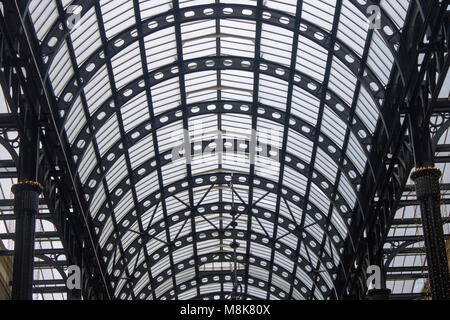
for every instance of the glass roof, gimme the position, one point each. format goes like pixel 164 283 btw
pixel 405 253
pixel 198 126
pixel 50 258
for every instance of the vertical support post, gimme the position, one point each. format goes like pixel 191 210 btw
pixel 26 206
pixel 428 194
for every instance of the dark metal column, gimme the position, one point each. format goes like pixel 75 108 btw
pixel 74 294
pixel 26 206
pixel 428 194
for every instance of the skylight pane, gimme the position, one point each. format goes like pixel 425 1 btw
pixel 199 39
pixel 283 5
pixel 61 70
pixel 97 90
pixel 75 121
pixel 44 13
pixel 353 27
pixel 237 38
pixel 305 106
pixel 311 58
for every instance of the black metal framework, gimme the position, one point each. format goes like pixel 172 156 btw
pixel 415 92
pixel 428 193
pixel 306 214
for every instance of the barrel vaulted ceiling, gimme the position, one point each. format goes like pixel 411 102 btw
pixel 209 135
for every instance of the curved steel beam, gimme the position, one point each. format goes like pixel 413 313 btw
pixel 154 232
pixel 191 283
pixel 136 135
pixel 439 134
pixel 397 251
pixel 270 21
pixel 54 39
pixel 212 295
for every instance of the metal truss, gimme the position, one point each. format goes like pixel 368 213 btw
pixel 409 83
pixel 307 254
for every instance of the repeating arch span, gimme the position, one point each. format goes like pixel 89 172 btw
pixel 201 129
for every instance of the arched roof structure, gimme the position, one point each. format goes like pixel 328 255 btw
pixel 198 126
